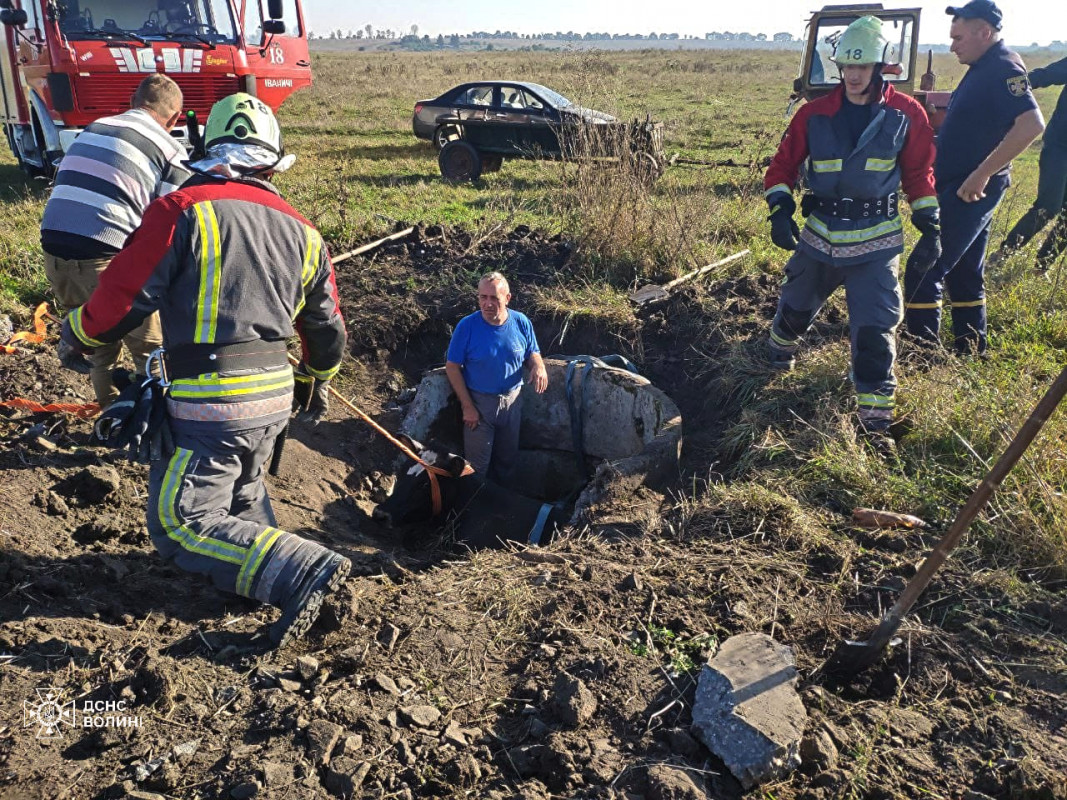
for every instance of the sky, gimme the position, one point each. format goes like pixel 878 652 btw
pixel 1026 21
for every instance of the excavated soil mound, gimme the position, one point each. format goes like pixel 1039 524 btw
pixel 564 672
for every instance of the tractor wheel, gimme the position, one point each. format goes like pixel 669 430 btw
pixel 460 162
pixel 492 163
pixel 443 134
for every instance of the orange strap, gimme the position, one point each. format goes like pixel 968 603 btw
pixel 80 410
pixel 40 332
pixel 431 470
pixel 40 328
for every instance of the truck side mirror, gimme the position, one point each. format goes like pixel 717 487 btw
pixel 275 9
pixel 274 27
pixel 798 85
pixel 14 17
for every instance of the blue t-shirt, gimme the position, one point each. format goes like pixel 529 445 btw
pixel 981 112
pixel 492 355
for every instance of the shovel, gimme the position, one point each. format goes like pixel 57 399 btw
pixel 653 292
pixel 851 657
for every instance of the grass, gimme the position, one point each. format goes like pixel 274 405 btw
pixel 788 457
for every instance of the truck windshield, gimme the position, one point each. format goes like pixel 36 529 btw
pixel 207 21
pixel 898 30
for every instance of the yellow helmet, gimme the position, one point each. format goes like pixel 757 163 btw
pixel 863 43
pixel 243 119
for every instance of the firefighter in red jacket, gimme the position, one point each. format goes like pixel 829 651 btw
pixel 232 270
pixel 858 144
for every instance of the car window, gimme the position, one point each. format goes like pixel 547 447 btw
pixel 530 101
pixel 476 96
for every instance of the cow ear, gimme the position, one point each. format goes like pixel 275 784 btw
pixel 415 446
pixel 456 465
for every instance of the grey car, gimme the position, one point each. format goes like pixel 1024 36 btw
pixel 507 102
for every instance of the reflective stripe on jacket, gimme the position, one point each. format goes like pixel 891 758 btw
pixel 897 146
pixel 224 262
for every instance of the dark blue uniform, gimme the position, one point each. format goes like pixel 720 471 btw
pixel 984 107
pixel 1051 197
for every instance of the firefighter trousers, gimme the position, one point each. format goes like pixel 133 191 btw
pixel 872 292
pixel 209 513
pixel 1050 204
pixel 960 270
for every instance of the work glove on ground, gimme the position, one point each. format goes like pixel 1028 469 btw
pixel 72 359
pixel 928 249
pixel 311 397
pixel 784 231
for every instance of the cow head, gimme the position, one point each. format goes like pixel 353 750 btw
pixel 411 498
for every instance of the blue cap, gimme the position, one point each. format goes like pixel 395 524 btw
pixel 978 9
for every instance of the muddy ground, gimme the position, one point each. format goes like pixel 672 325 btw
pixel 563 672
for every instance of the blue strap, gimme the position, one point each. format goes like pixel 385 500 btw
pixel 539 524
pixel 578 407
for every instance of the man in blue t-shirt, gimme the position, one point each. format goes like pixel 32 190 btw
pixel 992 117
pixel 486 356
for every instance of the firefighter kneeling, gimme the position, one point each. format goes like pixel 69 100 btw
pixel 232 270
pixel 859 143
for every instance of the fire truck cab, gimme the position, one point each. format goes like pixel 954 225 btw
pixel 65 63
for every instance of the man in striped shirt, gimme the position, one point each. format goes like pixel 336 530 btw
pixel 112 171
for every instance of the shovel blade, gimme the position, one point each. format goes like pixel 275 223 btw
pixel 851 658
pixel 650 293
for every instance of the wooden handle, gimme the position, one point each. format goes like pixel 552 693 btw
pixel 975 503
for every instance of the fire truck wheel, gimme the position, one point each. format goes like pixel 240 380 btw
pixel 460 162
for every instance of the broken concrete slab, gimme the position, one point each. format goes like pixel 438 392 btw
pixel 747 710
pixel 629 425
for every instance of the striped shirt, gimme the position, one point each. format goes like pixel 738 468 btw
pixel 112 171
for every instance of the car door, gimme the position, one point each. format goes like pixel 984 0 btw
pixel 475 102
pixel 511 119
pixel 542 125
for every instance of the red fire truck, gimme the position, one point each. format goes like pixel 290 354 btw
pixel 65 63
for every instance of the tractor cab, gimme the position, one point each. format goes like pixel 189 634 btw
pixel 819 74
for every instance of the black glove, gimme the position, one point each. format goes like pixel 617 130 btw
pixel 928 249
pixel 311 397
pixel 137 422
pixel 73 359
pixel 784 231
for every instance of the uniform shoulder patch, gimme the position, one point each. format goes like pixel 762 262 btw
pixel 1018 85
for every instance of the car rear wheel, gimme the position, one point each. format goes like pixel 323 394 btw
pixel 443 134
pixel 460 162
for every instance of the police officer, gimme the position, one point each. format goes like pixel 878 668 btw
pixel 859 143
pixel 232 269
pixel 991 119
pixel 1051 197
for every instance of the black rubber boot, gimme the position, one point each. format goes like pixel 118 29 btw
pixel 780 359
pixel 302 608
pixel 875 432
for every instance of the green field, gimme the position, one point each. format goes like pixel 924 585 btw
pixel 360 169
